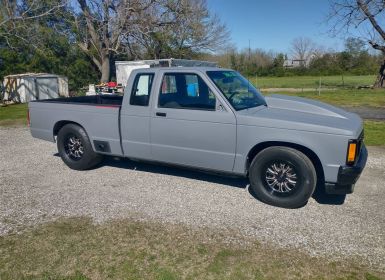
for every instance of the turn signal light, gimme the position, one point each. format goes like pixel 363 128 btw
pixel 352 151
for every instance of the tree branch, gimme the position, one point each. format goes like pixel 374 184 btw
pixel 365 9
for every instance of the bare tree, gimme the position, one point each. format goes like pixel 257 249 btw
pixel 366 17
pixel 101 26
pixel 190 29
pixel 103 29
pixel 302 49
pixel 155 28
pixel 197 30
pixel 18 18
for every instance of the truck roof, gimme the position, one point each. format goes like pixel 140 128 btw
pixel 124 75
pixel 180 69
pixel 168 62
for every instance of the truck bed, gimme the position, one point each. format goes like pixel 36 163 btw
pixel 114 100
pixel 98 115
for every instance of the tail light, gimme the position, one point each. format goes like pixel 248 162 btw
pixel 28 118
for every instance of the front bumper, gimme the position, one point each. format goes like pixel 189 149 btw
pixel 348 175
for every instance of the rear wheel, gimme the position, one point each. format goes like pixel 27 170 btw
pixel 75 148
pixel 283 177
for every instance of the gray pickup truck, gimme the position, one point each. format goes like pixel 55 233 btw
pixel 211 119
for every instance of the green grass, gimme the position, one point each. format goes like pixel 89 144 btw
pixel 345 97
pixel 13 115
pixel 312 81
pixel 374 133
pixel 77 249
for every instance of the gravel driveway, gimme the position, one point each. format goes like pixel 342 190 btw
pixel 36 186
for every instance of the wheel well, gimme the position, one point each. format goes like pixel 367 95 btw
pixel 309 153
pixel 60 124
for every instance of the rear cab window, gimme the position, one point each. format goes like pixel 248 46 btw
pixel 141 90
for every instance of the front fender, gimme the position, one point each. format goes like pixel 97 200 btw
pixel 329 148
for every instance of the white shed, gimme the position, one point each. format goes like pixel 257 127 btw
pixel 34 86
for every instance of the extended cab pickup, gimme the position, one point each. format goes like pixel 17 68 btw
pixel 211 119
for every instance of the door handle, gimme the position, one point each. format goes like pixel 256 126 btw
pixel 160 114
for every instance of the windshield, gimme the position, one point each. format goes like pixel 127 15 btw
pixel 237 90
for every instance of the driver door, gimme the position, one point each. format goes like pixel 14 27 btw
pixel 188 127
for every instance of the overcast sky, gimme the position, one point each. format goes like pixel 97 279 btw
pixel 273 24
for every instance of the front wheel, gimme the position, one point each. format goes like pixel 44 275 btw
pixel 283 177
pixel 75 148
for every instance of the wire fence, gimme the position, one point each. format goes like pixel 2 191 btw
pixel 313 83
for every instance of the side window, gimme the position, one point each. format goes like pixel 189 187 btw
pixel 141 90
pixel 168 84
pixel 185 91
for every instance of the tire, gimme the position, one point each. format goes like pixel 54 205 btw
pixel 75 148
pixel 283 177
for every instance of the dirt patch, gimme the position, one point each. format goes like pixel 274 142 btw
pixel 369 113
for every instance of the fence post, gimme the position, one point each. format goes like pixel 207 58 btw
pixel 319 86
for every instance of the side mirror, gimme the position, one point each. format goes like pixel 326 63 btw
pixel 220 108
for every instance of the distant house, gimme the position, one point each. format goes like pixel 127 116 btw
pixel 294 63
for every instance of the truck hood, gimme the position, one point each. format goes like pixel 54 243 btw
pixel 296 113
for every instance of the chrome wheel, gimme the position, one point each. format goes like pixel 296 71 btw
pixel 74 147
pixel 280 177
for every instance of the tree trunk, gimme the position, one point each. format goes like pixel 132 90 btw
pixel 106 70
pixel 380 81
